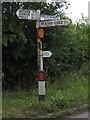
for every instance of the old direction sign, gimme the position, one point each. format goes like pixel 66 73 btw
pixel 26 14
pixel 48 17
pixel 58 22
pixel 47 53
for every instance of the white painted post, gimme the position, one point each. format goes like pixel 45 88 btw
pixel 41 81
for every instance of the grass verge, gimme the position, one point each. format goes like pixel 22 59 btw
pixel 70 91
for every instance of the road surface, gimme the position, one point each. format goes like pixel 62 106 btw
pixel 82 115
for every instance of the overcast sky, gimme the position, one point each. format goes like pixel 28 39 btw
pixel 77 7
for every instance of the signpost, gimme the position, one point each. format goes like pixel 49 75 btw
pixel 48 17
pixel 54 23
pixel 42 21
pixel 47 54
pixel 26 14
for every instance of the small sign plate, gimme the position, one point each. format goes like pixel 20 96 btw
pixel 47 53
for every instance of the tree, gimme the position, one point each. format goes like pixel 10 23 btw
pixel 19 43
pixel 69 45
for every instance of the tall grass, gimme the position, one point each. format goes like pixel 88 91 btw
pixel 71 90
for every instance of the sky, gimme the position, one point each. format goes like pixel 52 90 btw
pixel 77 7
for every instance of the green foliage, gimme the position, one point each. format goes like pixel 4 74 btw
pixel 59 97
pixel 69 45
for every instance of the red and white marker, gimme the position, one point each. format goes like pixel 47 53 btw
pixel 41 86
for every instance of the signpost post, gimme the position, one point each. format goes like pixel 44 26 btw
pixel 27 14
pixel 42 21
pixel 41 80
pixel 48 17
